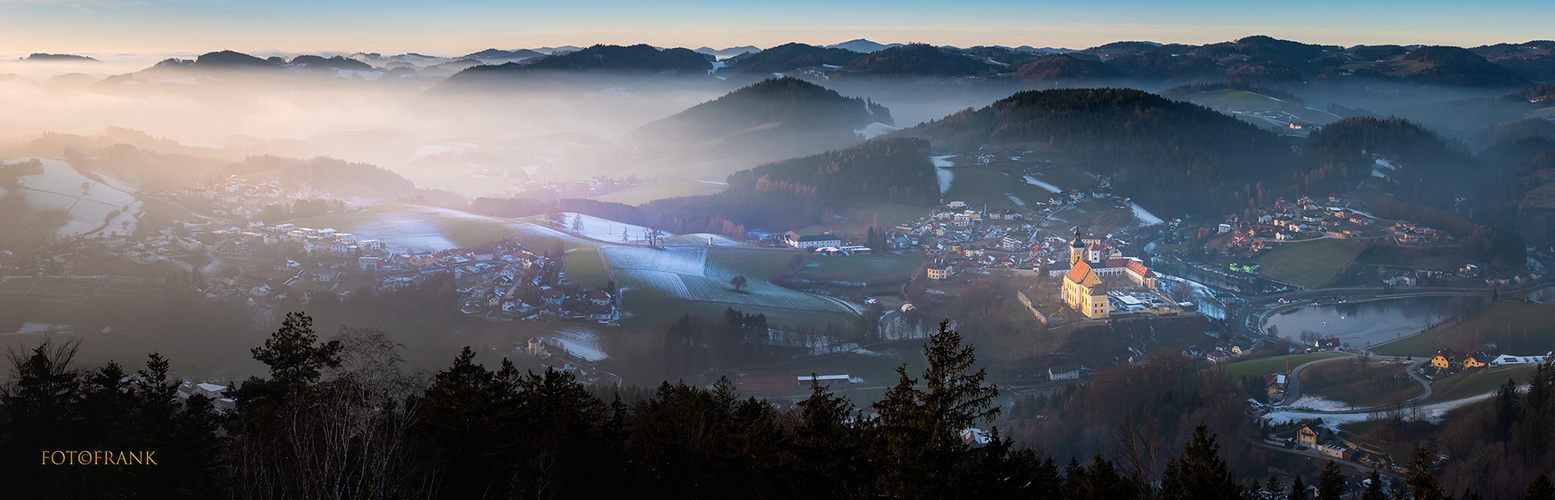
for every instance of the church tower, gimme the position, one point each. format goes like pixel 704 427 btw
pixel 1076 249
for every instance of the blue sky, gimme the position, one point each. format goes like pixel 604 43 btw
pixel 457 27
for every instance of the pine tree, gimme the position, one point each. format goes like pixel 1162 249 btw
pixel 1541 489
pixel 1199 472
pixel 1422 485
pixel 1331 483
pixel 920 427
pixel 1298 489
pixel 1374 488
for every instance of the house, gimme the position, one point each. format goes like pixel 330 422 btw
pixel 1064 372
pixel 599 298
pixel 812 241
pixel 1274 384
pixel 939 270
pixel 369 263
pixel 553 297
pixel 535 347
pixel 1329 344
pixel 1313 433
pixel 1446 358
pixel 1477 360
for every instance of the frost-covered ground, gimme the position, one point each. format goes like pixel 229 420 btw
pixel 1317 403
pixel 606 229
pixel 1049 187
pixel 945 176
pixel 1145 217
pixel 1432 413
pixel 88 203
pixel 683 273
pixel 875 129
pixel 30 328
pixel 1382 164
pixel 690 261
pixel 578 341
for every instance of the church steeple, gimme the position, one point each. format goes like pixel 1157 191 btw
pixel 1076 248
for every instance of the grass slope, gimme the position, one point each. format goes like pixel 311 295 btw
pixel 1260 367
pixel 1308 264
pixel 1515 327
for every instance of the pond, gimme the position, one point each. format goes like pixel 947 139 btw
pixel 1363 323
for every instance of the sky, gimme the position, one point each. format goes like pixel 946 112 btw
pixel 456 27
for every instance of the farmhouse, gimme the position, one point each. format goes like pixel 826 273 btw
pixel 1446 358
pixel 812 241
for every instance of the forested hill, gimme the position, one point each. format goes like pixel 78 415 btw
pixel 919 60
pixel 635 61
pixel 1341 154
pixel 791 56
pixel 776 118
pixel 796 192
pixel 341 179
pixel 1178 156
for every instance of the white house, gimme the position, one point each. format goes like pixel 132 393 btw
pixel 815 241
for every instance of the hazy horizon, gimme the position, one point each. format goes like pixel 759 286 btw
pixel 159 27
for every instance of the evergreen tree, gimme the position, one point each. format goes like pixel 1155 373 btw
pixel 1374 488
pixel 919 428
pixel 1422 485
pixel 1541 489
pixel 1275 490
pixel 1331 483
pixel 1199 472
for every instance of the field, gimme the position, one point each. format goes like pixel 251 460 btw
pixel 978 186
pixel 661 284
pixel 1476 382
pixel 1242 100
pixel 1515 327
pixel 1308 264
pixel 1260 367
pixel 585 268
pixel 1375 384
pixel 420 229
pixel 858 269
pixel 637 195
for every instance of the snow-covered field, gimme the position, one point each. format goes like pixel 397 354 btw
pixel 1432 413
pixel 683 273
pixel 1049 187
pixel 945 176
pixel 1381 165
pixel 88 203
pixel 689 261
pixel 30 328
pixel 606 229
pixel 578 341
pixel 1145 217
pixel 875 129
pixel 1317 403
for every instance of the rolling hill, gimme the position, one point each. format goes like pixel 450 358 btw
pixel 774 119
pixel 1153 148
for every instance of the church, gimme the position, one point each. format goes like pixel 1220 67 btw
pixel 1095 268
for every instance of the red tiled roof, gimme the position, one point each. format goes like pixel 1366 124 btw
pixel 1078 272
pixel 1140 269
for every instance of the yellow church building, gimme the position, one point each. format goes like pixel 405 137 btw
pixel 1082 292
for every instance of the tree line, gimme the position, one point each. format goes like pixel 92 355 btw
pixel 340 418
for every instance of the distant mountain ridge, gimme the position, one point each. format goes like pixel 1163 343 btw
pixel 39 56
